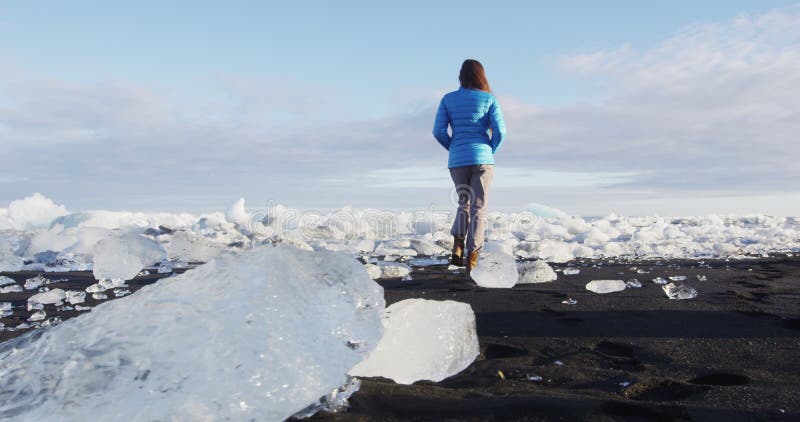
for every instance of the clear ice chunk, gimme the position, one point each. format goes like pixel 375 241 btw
pixel 679 291
pixel 423 340
pixel 496 268
pixel 258 335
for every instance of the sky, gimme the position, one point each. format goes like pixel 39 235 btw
pixel 660 107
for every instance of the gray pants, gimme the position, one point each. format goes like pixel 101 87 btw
pixel 472 186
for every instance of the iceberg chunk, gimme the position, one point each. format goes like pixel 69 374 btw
pixel 50 297
pixel 122 257
pixel 423 340
pixel 255 336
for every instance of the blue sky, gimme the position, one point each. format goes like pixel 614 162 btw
pixel 626 106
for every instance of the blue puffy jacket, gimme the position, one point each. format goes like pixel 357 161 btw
pixel 470 114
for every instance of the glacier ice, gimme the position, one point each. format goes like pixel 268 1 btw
pixel 373 270
pixel 535 272
pixel 122 257
pixel 495 268
pixel 605 286
pixel 255 336
pixel 423 340
pixel 5 281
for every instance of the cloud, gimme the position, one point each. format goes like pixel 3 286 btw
pixel 711 110
pixel 712 107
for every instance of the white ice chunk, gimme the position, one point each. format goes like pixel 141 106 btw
pixel 426 247
pixel 75 296
pixel 679 291
pixel 122 257
pixel 660 280
pixel 634 283
pixel 35 282
pixel 36 316
pixel 423 340
pixel 50 297
pixel 255 336
pixel 394 269
pixel 5 281
pixel 554 251
pixel 535 272
pixel 571 271
pixel 14 288
pixel 605 286
pixel 373 270
pixel 496 268
pixel 6 309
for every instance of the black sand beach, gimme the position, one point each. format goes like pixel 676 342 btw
pixel 732 353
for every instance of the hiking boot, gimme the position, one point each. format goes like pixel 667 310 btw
pixel 472 261
pixel 457 258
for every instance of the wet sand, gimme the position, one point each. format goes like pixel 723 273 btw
pixel 732 353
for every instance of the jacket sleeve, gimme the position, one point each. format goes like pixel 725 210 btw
pixel 440 126
pixel 498 125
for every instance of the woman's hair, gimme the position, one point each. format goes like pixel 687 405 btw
pixel 473 76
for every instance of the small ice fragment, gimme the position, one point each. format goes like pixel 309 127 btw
pixel 407 277
pixel 37 316
pixel 660 280
pixel 23 326
pixel 35 282
pixel 99 296
pixel 679 291
pixel 6 309
pixel 605 286
pixel 95 288
pixel 570 301
pixel 533 377
pixel 642 271
pixel 14 288
pixel 571 271
pixel 5 281
pixel 624 384
pixel 678 278
pixel 373 270
pixel 496 268
pixel 558 363
pixel 702 278
pixel 452 267
pixel 82 308
pixel 35 306
pixel 121 292
pixel 535 272
pixel 633 283
pixel 420 262
pixel 165 267
pixel 143 273
pixel 75 296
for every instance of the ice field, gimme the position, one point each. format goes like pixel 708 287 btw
pixel 279 306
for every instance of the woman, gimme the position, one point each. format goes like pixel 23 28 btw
pixel 477 128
